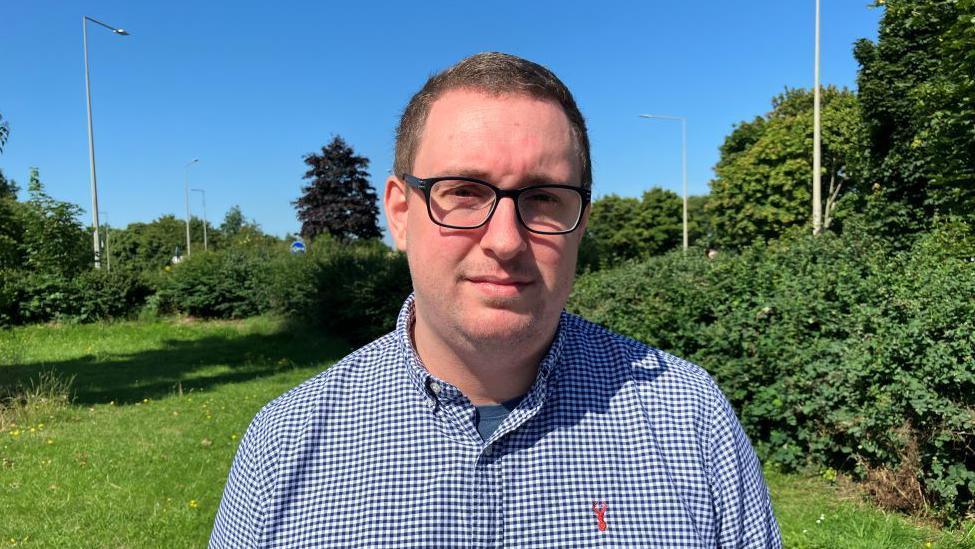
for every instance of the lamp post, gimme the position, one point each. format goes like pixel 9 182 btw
pixel 817 193
pixel 108 248
pixel 91 138
pixel 683 157
pixel 186 192
pixel 204 193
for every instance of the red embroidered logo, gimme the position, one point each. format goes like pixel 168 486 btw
pixel 600 510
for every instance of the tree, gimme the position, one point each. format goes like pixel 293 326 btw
pixel 54 240
pixel 8 187
pixel 764 184
pixel 917 93
pixel 233 222
pixel 339 200
pixel 622 228
pixel 4 132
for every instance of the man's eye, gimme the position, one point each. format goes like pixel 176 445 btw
pixel 457 191
pixel 543 197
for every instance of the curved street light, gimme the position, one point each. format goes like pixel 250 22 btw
pixel 91 138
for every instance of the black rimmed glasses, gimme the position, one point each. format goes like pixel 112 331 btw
pixel 467 203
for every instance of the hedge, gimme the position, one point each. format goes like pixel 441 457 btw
pixel 837 352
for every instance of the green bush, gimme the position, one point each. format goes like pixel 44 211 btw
pixel 230 283
pixel 837 352
pixel 27 297
pixel 353 290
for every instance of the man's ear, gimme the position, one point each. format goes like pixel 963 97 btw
pixel 396 202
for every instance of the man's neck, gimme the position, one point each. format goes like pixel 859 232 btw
pixel 488 373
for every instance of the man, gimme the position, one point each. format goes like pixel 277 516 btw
pixel 490 417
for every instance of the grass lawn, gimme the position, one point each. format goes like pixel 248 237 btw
pixel 140 456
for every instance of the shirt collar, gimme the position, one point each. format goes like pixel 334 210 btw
pixel 423 380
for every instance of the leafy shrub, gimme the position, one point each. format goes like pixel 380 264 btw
pixel 837 352
pixel 27 297
pixel 352 290
pixel 231 283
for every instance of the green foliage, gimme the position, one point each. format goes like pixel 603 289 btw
pixel 4 132
pixel 30 297
pixel 8 187
pixel 917 93
pixel 233 222
pixel 629 228
pixel 151 246
pixel 764 176
pixel 835 351
pixel 230 283
pixel 54 241
pixel 352 290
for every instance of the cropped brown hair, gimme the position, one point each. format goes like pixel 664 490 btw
pixel 496 74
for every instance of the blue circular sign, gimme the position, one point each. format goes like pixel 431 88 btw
pixel 297 247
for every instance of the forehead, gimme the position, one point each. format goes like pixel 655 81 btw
pixel 504 136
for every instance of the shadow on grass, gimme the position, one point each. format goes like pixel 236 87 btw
pixel 190 364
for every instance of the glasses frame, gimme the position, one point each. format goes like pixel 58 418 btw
pixel 427 184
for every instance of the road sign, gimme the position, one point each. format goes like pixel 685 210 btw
pixel 298 247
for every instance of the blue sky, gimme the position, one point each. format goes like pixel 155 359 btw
pixel 250 87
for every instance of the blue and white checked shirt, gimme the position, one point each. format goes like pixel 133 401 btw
pixel 616 444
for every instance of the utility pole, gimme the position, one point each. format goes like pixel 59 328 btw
pixel 186 193
pixel 91 135
pixel 817 194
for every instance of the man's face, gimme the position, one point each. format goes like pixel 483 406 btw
pixel 498 283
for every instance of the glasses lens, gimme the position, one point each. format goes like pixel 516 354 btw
pixel 550 209
pixel 460 203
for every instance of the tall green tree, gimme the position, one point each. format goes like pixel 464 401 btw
pixel 763 182
pixel 338 199
pixel 54 239
pixel 918 100
pixel 233 222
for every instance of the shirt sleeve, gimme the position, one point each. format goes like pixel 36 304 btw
pixel 239 521
pixel 742 504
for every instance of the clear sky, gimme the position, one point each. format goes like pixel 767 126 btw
pixel 250 87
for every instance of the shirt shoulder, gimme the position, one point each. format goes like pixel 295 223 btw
pixel 603 351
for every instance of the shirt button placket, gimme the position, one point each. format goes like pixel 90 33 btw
pixel 487 499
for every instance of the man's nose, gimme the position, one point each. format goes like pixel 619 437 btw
pixel 504 236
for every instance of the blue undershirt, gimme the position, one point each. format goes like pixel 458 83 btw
pixel 490 416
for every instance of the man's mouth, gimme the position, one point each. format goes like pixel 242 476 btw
pixel 500 285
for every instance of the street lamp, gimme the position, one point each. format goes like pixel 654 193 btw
pixel 186 192
pixel 108 248
pixel 817 137
pixel 91 138
pixel 204 193
pixel 683 156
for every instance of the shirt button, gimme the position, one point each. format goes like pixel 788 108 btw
pixel 436 388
